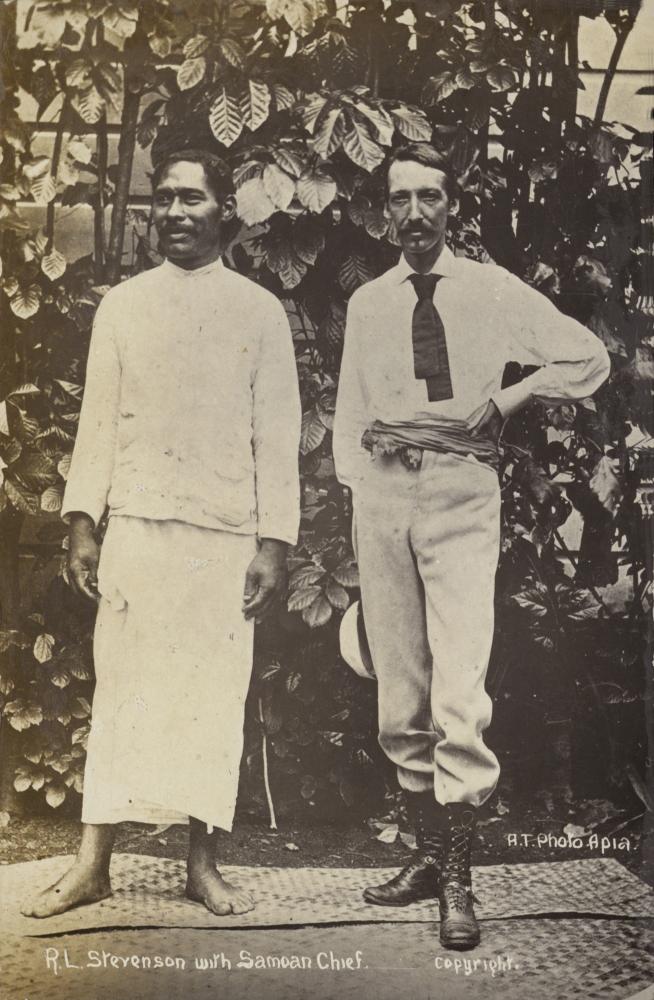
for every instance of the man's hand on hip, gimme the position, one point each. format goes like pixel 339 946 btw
pixel 83 557
pixel 489 424
pixel 265 580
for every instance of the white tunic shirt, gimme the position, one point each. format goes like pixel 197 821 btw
pixel 490 318
pixel 191 410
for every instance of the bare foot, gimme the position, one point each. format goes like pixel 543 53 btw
pixel 78 887
pixel 208 887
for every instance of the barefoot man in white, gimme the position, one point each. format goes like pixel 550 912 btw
pixel 189 435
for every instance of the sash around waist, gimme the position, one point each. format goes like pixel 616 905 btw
pixel 429 432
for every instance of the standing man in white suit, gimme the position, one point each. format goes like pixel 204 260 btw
pixel 419 412
pixel 189 435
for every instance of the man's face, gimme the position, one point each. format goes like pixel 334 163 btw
pixel 188 216
pixel 418 206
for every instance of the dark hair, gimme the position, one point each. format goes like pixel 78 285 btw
pixel 423 152
pixel 216 171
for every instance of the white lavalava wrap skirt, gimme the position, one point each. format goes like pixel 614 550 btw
pixel 173 659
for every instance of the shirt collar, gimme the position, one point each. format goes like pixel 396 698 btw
pixel 215 267
pixel 445 266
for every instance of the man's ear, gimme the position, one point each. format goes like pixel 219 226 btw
pixel 453 207
pixel 387 213
pixel 228 208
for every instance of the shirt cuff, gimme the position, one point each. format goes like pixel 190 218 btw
pixel 513 398
pixel 272 528
pixel 76 503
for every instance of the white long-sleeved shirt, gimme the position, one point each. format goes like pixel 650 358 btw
pixel 490 318
pixel 191 409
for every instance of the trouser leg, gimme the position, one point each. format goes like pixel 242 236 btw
pixel 392 598
pixel 455 535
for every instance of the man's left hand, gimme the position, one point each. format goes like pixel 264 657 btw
pixel 265 580
pixel 489 424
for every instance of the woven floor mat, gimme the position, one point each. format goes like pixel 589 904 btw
pixel 550 959
pixel 148 892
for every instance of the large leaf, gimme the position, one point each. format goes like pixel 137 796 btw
pixel 379 118
pixel 301 15
pixel 51 500
pixel 79 74
pixel 59 676
pixel 347 574
pixel 254 103
pixel 196 46
pixel 311 110
pixel 21 499
pixel 292 271
pixel 316 189
pixel 89 105
pixel 308 240
pixel 318 613
pixel 375 222
pixel 303 597
pixel 279 187
pixel 231 52
pixel 26 302
pixel 333 325
pixel 53 264
pixel 440 86
pixel 37 166
pixel 284 98
pixel 161 45
pixel 121 17
pixel 225 118
pixel 312 433
pixel 412 124
pixel 605 484
pixel 80 709
pixel 23 780
pixel 360 146
pixel 329 135
pixel 43 646
pixel 305 575
pixel 252 202
pixel 502 78
pixel 289 161
pixel 337 595
pixel 55 795
pixel 191 72
pixel 23 714
pixel 43 189
pixel 78 150
pixel 354 271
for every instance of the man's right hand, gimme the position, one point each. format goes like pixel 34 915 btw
pixel 83 557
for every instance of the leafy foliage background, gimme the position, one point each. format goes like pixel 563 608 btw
pixel 305 99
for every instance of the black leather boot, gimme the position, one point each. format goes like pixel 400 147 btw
pixel 459 927
pixel 419 879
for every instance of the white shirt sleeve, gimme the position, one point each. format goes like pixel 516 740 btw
pixel 352 413
pixel 276 422
pixel 89 478
pixel 574 361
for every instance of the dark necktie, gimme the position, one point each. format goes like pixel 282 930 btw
pixel 430 360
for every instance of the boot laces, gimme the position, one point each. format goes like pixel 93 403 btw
pixel 457 896
pixel 458 854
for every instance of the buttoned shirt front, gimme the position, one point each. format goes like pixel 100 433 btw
pixel 191 409
pixel 490 318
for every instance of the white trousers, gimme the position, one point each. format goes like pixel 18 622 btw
pixel 173 659
pixel 427 544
